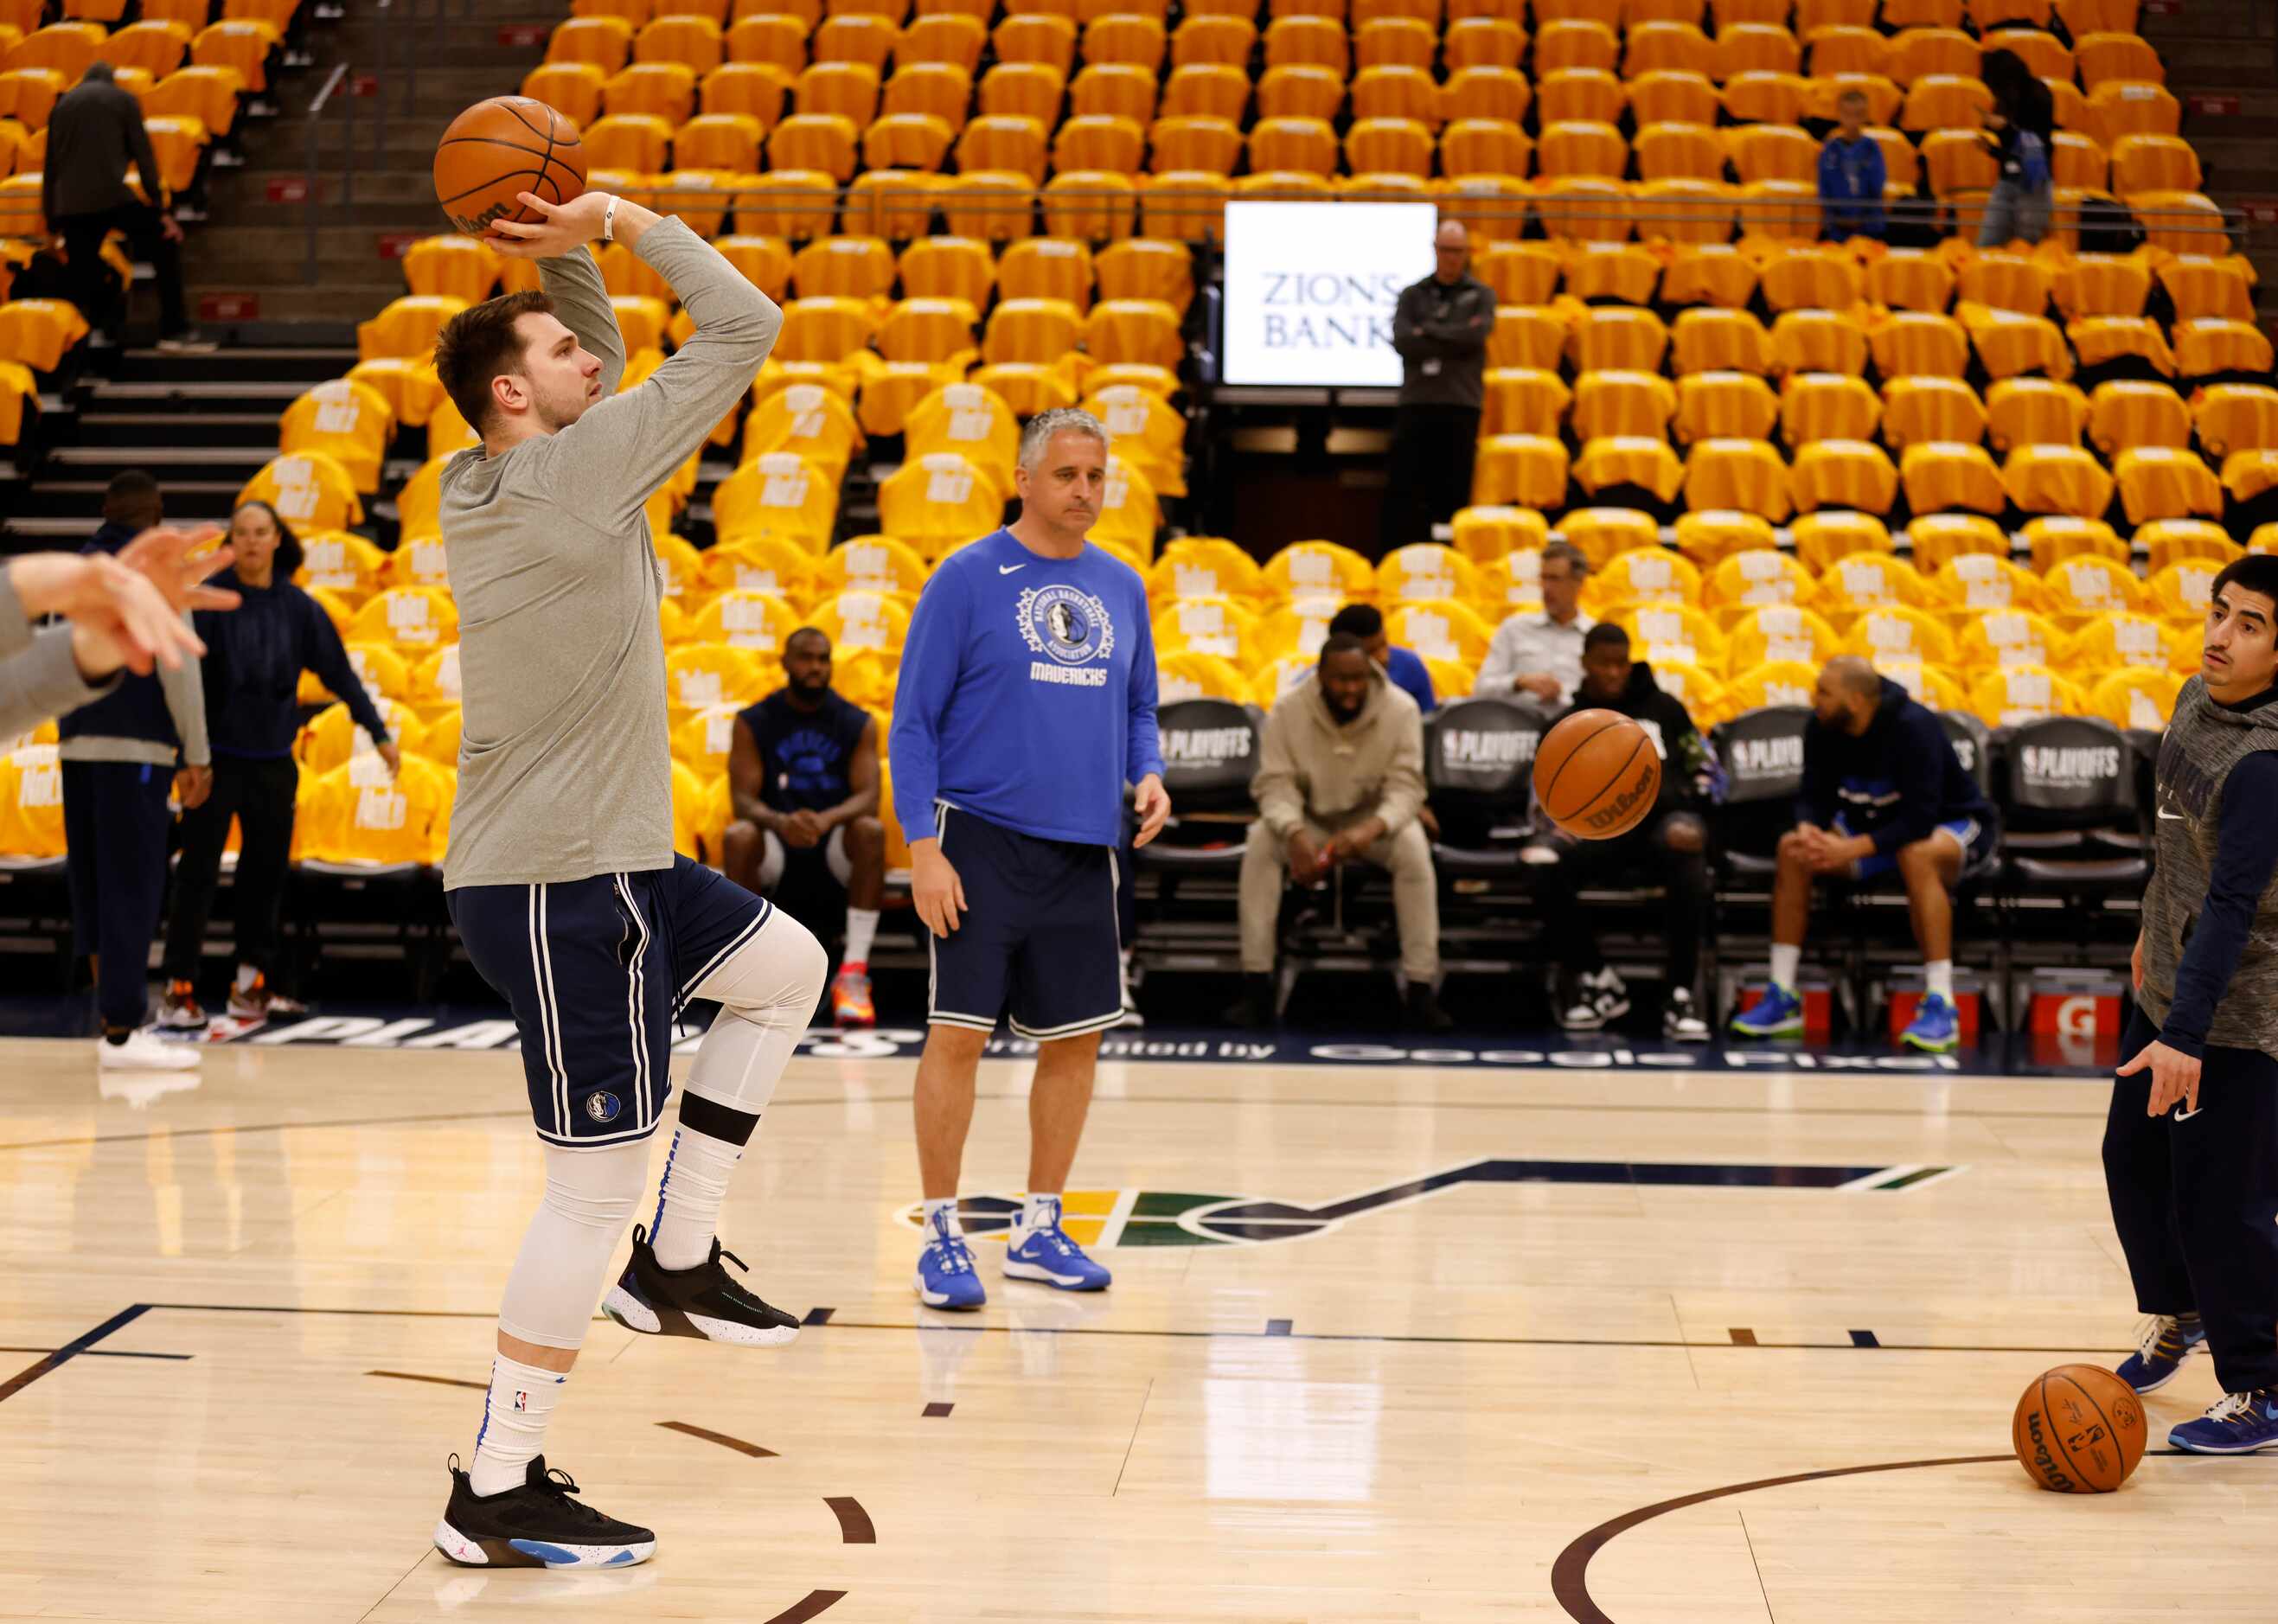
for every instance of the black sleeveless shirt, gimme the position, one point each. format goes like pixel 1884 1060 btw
pixel 806 756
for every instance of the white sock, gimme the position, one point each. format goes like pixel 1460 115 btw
pixel 1041 1210
pixel 247 975
pixel 861 930
pixel 521 1402
pixel 1937 977
pixel 688 1200
pixel 1123 971
pixel 1787 961
pixel 936 1205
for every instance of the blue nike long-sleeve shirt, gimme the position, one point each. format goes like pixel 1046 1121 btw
pixel 1027 693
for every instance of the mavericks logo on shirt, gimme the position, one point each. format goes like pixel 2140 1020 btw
pixel 1072 627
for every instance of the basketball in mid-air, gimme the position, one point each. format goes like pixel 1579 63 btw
pixel 498 148
pixel 1596 774
pixel 2078 1430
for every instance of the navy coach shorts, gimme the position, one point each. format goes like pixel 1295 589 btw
pixel 593 969
pixel 1037 938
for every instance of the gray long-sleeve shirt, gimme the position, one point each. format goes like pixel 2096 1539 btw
pixel 565 766
pixel 39 674
pixel 1531 641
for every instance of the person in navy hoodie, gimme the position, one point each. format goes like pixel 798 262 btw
pixel 255 656
pixel 1025 705
pixel 120 758
pixel 1851 175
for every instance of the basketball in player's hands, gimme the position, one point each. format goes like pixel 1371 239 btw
pixel 2079 1429
pixel 498 149
pixel 1596 774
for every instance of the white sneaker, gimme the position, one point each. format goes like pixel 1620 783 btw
pixel 142 1052
pixel 1681 1019
pixel 1600 997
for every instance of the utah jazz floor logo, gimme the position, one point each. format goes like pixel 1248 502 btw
pixel 1183 1218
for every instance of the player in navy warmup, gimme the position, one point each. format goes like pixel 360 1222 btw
pixel 1025 702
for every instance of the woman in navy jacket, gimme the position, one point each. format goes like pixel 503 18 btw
pixel 254 660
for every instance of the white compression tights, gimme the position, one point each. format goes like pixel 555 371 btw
pixel 767 992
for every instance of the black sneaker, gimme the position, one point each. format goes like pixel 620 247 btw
pixel 1254 1011
pixel 704 1301
pixel 535 1526
pixel 1423 1012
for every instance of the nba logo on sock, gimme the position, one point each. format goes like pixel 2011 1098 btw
pixel 522 1401
pixel 602 1106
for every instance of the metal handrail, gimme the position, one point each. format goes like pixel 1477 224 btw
pixel 310 172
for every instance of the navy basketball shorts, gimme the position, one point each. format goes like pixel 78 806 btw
pixel 1037 938
pixel 592 969
pixel 1974 837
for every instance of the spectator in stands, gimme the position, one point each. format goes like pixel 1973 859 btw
pixel 2021 129
pixel 1537 654
pixel 803 773
pixel 1670 845
pixel 119 757
pixel 93 134
pixel 1341 779
pixel 1440 327
pixel 1407 669
pixel 1851 175
pixel 1882 792
pixel 253 666
pixel 124 616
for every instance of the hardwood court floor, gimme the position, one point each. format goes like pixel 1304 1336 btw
pixel 1407 1414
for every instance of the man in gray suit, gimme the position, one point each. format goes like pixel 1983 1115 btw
pixel 94 133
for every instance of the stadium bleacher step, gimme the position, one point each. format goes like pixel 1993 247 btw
pixel 265 364
pixel 74 505
pixel 201 427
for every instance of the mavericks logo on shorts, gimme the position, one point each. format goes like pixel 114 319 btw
pixel 602 1106
pixel 1072 630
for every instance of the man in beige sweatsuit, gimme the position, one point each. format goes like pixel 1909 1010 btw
pixel 1341 779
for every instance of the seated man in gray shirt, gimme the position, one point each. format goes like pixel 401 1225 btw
pixel 560 875
pixel 1537 654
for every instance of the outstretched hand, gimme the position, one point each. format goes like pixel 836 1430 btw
pixel 178 563
pixel 560 228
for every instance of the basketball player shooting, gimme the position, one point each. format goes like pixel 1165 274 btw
pixel 561 876
pixel 1025 701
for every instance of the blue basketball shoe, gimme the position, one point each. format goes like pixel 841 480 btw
pixel 946 1278
pixel 2167 1341
pixel 1777 1014
pixel 2237 1423
pixel 1046 1253
pixel 1936 1026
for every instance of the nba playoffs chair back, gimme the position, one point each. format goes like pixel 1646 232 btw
pixel 1762 753
pixel 1209 755
pixel 1478 754
pixel 2074 825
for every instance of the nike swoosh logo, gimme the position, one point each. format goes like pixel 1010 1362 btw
pixel 2185 1116
pixel 2172 817
pixel 1007 569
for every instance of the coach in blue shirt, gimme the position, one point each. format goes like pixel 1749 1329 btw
pixel 1404 668
pixel 1025 702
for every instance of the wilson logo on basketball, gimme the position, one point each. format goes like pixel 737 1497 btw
pixel 1616 812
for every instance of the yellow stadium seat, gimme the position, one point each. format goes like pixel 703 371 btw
pixel 809 421
pixel 1913 344
pixel 1674 631
pixel 1865 581
pixel 1611 272
pixel 2034 411
pixel 1524 470
pixel 684 569
pixel 1220 93
pixel 1778 633
pixel 2181 591
pixel 1605 403
pixel 1709 537
pixel 1493 207
pixel 418 503
pixel 1817 406
pixel 1028 387
pixel 2091 284
pixel 1610 338
pixel 2117 58
pixel 1823 538
pixel 1115 90
pixel 1679 152
pixel 1426 572
pixel 1020 89
pixel 1296 629
pixel 1192 675
pixel 1389 146
pixel 2002 279
pixel 693 42
pixel 1034 330
pixel 2159 481
pixel 1746 475
pixel 406 326
pixel 1103 142
pixel 1772 152
pixel 1755 45
pixel 847 88
pixel 1938 539
pixel 1487 93
pixel 453 267
pixel 1519 273
pixel 1663 45
pixel 1639 575
pixel 1484 533
pixel 2248 474
pixel 1146 430
pixel 1574 43
pixel 1817 341
pixel 701 677
pixel 756 623
pixel 665 88
pixel 407 617
pixel 1721 404
pixel 849 267
pixel 306 488
pixel 1276 677
pixel 1678 96
pixel 1917 410
pixel 2057 479
pixel 1482 42
pixel 604 42
pixel 1605 533
pixel 2054 539
pixel 1776 682
pixel 1198 566
pixel 858 38
pixel 759 566
pixel 720 141
pixel 340 561
pixel 1292 146
pixel 2231 417
pixel 1720 341
pixel 1941 475
pixel 779 494
pixel 2136 696
pixel 927 330
pixel 1899 632
pixel 2203 285
pixel 1130 329
pixel 1446 631
pixel 940 494
pixel 2126 413
pixel 1319 569
pixel 350 422
pixel 1912 279
pixel 825 328
pixel 1821 277
pixel 2119 637
pixel 1527 336
pixel 927 90
pixel 852 620
pixel 1636 461
pixel 1765 97
pixel 2098 340
pixel 1216 625
pixel 1142 268
pixel 1852 473
pixel 2091 585
pixel 1015 143
pixel 1128 38
pixel 948 267
pixel 2008 695
pixel 2209 344
pixel 1512 582
pixel 1980 582
pixel 969 421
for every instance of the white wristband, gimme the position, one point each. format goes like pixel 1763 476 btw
pixel 609 221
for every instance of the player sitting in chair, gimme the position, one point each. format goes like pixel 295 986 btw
pixel 1341 777
pixel 1882 792
pixel 1670 846
pixel 803 770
